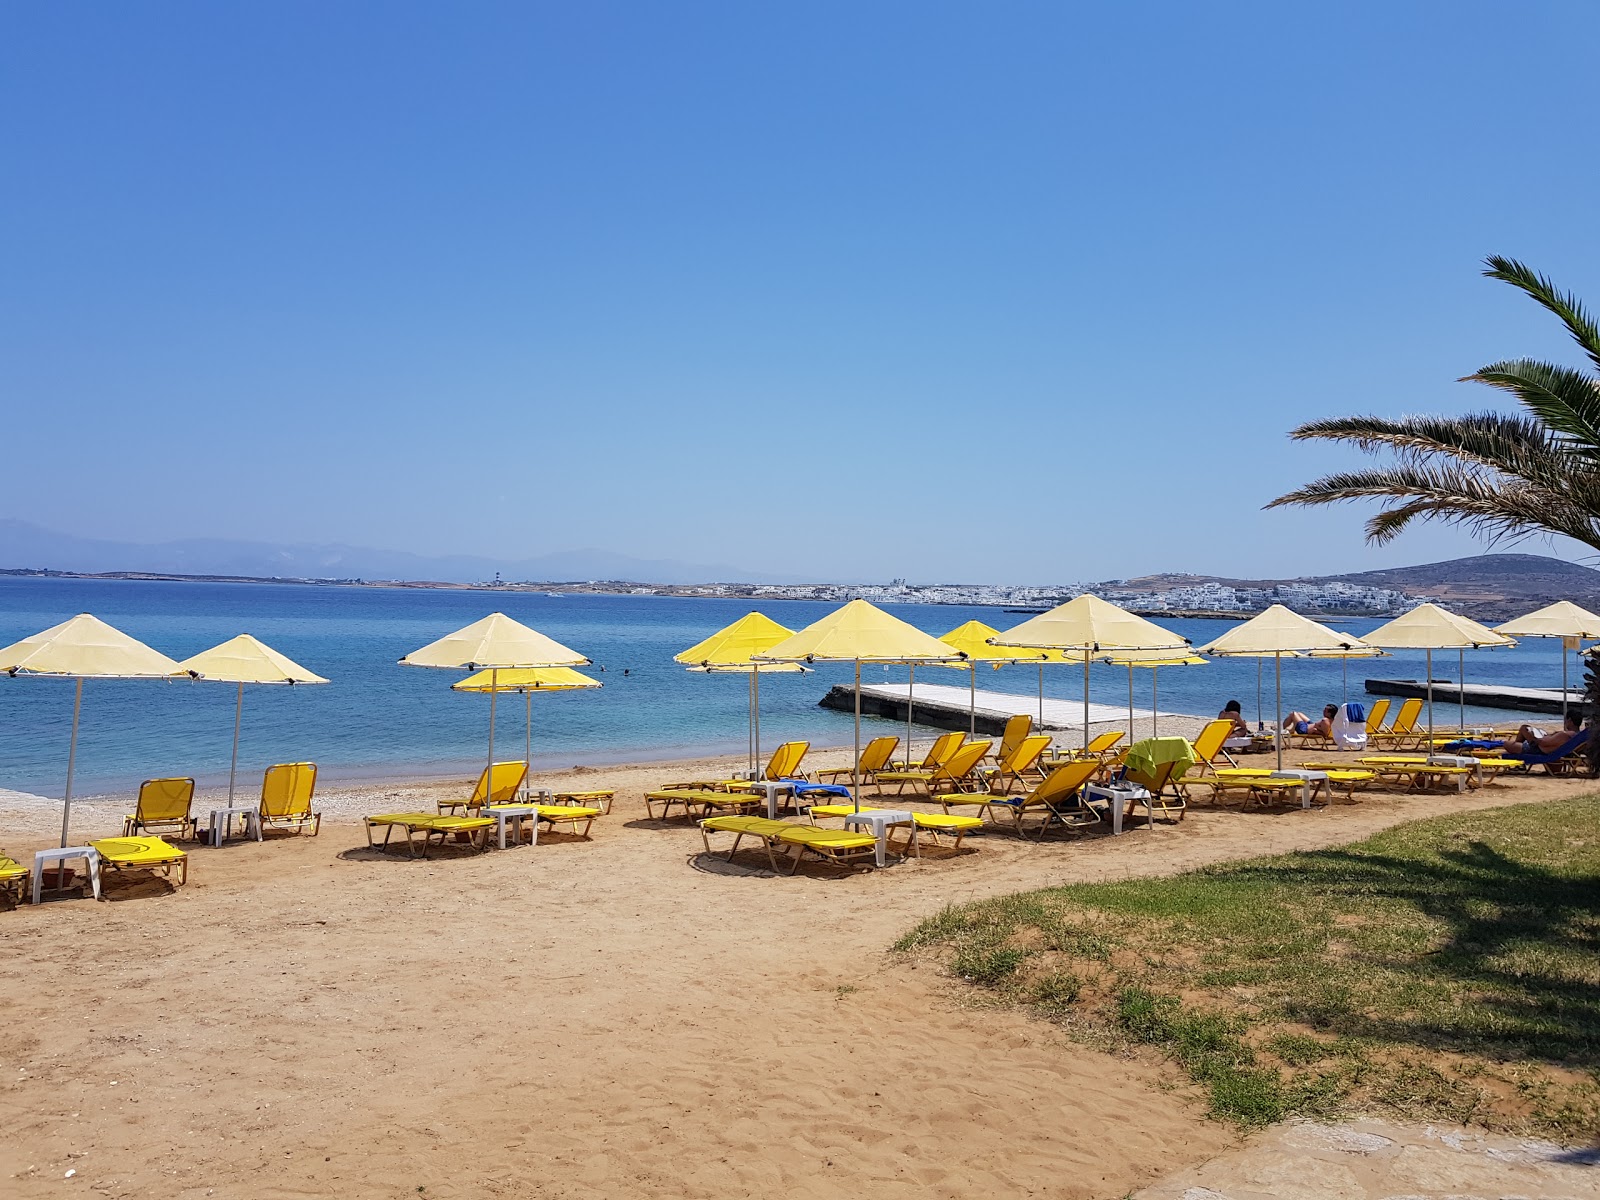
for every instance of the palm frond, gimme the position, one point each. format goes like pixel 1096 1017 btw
pixel 1514 444
pixel 1565 305
pixel 1565 399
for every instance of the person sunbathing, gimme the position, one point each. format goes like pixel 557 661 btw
pixel 1530 740
pixel 1304 726
pixel 1231 712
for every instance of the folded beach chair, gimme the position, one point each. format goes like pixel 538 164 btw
pixel 874 758
pixel 163 807
pixel 286 791
pixel 13 878
pixel 1056 801
pixel 1022 760
pixel 430 825
pixel 1402 732
pixel 955 774
pixel 142 854
pixel 1563 758
pixel 1207 746
pixel 943 747
pixel 498 784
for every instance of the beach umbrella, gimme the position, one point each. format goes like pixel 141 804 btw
pixel 1273 634
pixel 1153 660
pixel 1429 627
pixel 84 647
pixel 243 660
pixel 972 639
pixel 527 681
pixel 496 643
pixel 1564 620
pixel 728 651
pixel 1084 627
pixel 860 632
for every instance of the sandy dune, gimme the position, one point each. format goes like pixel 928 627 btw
pixel 611 1018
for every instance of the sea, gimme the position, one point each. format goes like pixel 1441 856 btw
pixel 376 719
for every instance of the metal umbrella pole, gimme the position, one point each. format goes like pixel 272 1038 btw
pixel 1155 704
pixel 527 747
pixel 1130 698
pixel 755 720
pixel 1259 724
pixel 1086 702
pixel 1041 693
pixel 1461 689
pixel 972 699
pixel 1277 728
pixel 72 760
pixel 911 699
pixel 494 691
pixel 233 767
pixel 1429 653
pixel 855 766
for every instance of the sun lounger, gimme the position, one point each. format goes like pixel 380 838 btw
pixel 1208 746
pixel 838 846
pixel 163 807
pixel 601 798
pixel 1017 728
pixel 943 747
pixel 1402 732
pixel 874 758
pixel 1023 759
pixel 498 784
pixel 760 828
pixel 429 825
pixel 1056 801
pixel 143 854
pixel 286 791
pixel 552 815
pixel 1375 716
pixel 13 877
pixel 954 824
pixel 703 799
pixel 1422 772
pixel 1101 745
pixel 1560 760
pixel 956 773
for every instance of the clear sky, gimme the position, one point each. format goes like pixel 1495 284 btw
pixel 1013 292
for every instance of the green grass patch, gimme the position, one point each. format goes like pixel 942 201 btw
pixel 1445 968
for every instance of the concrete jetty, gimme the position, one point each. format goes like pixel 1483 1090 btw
pixel 944 707
pixel 1482 695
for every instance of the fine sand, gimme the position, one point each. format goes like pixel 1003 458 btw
pixel 617 1017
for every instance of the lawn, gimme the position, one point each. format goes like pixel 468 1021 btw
pixel 1445 969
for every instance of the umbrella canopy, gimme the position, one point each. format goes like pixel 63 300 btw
pixel 1087 625
pixel 495 641
pixel 1274 633
pixel 83 647
pixel 860 632
pixel 1429 627
pixel 1564 620
pixel 729 650
pixel 243 660
pixel 526 680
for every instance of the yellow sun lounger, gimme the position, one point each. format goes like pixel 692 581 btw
pixel 143 854
pixel 839 846
pixel 13 875
pixel 286 791
pixel 163 807
pixel 874 758
pixel 601 798
pixel 429 825
pixel 498 784
pixel 1022 760
pixel 943 747
pixel 703 799
pixel 1249 779
pixel 761 828
pixel 1422 773
pixel 1402 732
pixel 552 815
pixel 954 773
pixel 955 824
pixel 1097 749
pixel 1056 801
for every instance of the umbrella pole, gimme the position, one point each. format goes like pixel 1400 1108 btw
pixel 755 682
pixel 1155 703
pixel 1461 690
pixel 911 698
pixel 1278 732
pixel 233 767
pixel 972 699
pixel 1259 724
pixel 72 761
pixel 1041 694
pixel 488 778
pixel 1130 698
pixel 1430 700
pixel 1346 663
pixel 1563 687
pixel 855 766
pixel 1086 702
pixel 527 747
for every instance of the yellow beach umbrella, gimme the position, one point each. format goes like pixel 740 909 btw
pixel 526 680
pixel 729 651
pixel 972 639
pixel 1272 634
pixel 243 660
pixel 1154 660
pixel 859 632
pixel 1084 627
pixel 1564 620
pixel 1429 627
pixel 84 647
pixel 497 643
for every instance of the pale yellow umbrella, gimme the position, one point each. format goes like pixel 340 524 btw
pixel 243 660
pixel 1154 660
pixel 729 651
pixel 527 681
pixel 972 639
pixel 859 632
pixel 1085 626
pixel 1429 627
pixel 1272 634
pixel 497 643
pixel 84 647
pixel 1564 620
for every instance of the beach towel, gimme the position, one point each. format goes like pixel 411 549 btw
pixel 1474 744
pixel 1350 727
pixel 803 788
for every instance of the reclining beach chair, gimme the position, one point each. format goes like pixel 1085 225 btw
pixel 954 824
pixel 552 815
pixel 1056 801
pixel 601 798
pixel 1208 744
pixel 943 747
pixel 1563 758
pixel 286 791
pixel 163 807
pixel 498 784
pixel 1402 732
pixel 1016 729
pixel 1424 771
pixel 1375 716
pixel 1098 748
pixel 955 774
pixel 143 854
pixel 1022 760
pixel 874 758
pixel 474 830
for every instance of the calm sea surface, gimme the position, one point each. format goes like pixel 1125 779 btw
pixel 377 718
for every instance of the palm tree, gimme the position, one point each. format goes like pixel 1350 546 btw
pixel 1500 475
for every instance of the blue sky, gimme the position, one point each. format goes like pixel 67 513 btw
pixel 1024 292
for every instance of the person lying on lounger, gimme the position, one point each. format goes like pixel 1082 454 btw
pixel 1231 712
pixel 1304 726
pixel 1532 741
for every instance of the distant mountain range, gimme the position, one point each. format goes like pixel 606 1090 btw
pixel 30 547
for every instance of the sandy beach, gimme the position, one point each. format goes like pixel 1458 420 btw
pixel 616 1017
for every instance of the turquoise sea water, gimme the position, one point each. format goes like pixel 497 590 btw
pixel 377 718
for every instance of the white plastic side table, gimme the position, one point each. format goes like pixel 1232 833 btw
pixel 880 820
pixel 1116 796
pixel 221 824
pixel 774 788
pixel 1310 781
pixel 515 814
pixel 89 855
